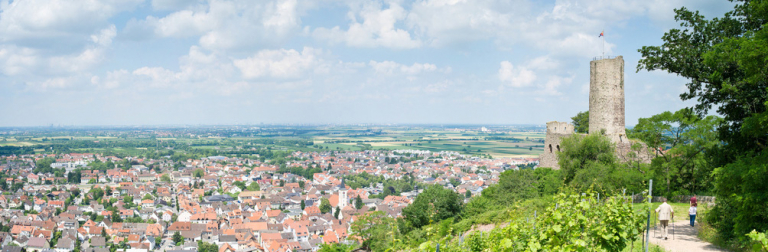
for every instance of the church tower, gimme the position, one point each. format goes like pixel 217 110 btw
pixel 343 199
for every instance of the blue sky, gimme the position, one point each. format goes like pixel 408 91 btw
pixel 160 62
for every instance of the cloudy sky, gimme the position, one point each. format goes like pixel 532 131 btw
pixel 159 62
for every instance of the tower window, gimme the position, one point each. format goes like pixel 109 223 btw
pixel 558 148
pixel 550 148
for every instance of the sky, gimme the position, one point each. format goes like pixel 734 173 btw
pixel 173 62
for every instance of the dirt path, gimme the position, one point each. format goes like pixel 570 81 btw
pixel 685 239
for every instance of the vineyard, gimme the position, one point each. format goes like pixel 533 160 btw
pixel 574 222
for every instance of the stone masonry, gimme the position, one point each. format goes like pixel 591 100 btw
pixel 606 98
pixel 555 132
pixel 606 116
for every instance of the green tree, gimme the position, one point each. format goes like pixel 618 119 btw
pixel 97 193
pixel 455 182
pixel 337 212
pixel 303 205
pixel 177 238
pixel 165 178
pixel 116 216
pixel 581 122
pixel 253 186
pixel 198 173
pixel 374 230
pixel 689 137
pixel 325 205
pixel 434 204
pixel 359 202
pixel 591 160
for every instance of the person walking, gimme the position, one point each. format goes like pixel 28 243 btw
pixel 692 214
pixel 693 201
pixel 665 213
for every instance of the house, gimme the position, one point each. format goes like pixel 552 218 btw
pixel 147 203
pixel 98 242
pixel 65 245
pixel 37 244
pixel 126 213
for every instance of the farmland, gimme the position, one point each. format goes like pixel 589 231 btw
pixel 499 141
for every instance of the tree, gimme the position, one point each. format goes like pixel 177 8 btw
pixel 434 204
pixel 325 205
pixel 303 205
pixel 591 160
pixel 301 184
pixel 337 212
pixel 373 229
pixel 468 194
pixel 158 240
pixel 198 173
pixel 128 200
pixel 724 59
pixel 358 202
pixel 253 186
pixel 455 182
pixel 581 122
pixel 177 238
pixel 165 178
pixel 97 193
pixel 689 137
pixel 116 216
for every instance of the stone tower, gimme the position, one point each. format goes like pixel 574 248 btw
pixel 556 131
pixel 606 114
pixel 606 98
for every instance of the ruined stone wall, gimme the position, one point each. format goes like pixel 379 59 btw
pixel 634 151
pixel 555 132
pixel 606 98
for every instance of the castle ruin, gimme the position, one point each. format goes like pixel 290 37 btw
pixel 606 115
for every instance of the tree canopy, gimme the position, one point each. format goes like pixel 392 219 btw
pixel 581 122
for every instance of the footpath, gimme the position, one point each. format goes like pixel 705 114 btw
pixel 685 239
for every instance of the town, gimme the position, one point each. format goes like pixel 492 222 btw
pixel 96 203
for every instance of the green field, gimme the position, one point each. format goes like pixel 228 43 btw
pixel 498 143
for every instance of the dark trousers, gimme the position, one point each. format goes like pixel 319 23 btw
pixel 693 218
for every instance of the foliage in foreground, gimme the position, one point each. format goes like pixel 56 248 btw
pixel 574 223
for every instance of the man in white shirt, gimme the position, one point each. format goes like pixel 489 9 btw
pixel 665 214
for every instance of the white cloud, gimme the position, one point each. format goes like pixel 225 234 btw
pixel 377 29
pixel 515 76
pixel 45 70
pixel 279 63
pixel 391 67
pixel 223 24
pixel 40 20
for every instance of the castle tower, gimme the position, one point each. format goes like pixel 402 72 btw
pixel 606 98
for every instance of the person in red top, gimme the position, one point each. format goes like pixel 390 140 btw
pixel 693 201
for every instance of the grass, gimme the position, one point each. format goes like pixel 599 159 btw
pixel 637 246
